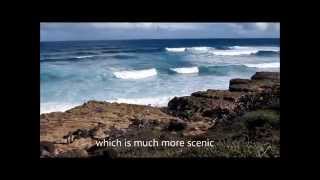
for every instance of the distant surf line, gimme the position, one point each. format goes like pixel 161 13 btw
pixel 145 73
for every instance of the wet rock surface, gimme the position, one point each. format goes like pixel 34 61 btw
pixel 244 118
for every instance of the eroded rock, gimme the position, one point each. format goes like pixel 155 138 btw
pixel 74 132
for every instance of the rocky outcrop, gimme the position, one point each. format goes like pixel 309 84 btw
pixel 209 105
pixel 262 90
pixel 266 76
pixel 259 82
pixel 80 127
pixel 73 134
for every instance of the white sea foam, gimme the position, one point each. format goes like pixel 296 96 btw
pixel 240 47
pixel 81 57
pixel 186 70
pixel 62 107
pixel 136 74
pixel 175 49
pixel 243 50
pixel 264 65
pixel 56 107
pixel 190 49
pixel 199 49
pixel 153 101
pixel 260 48
pixel 233 52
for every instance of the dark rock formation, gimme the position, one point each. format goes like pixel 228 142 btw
pixel 263 90
pixel 249 110
pixel 259 82
pixel 76 153
pixel 47 149
pixel 266 75
pixel 177 125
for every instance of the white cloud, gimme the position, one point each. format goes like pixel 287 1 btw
pixel 167 26
pixel 111 25
pixel 277 25
pixel 126 30
pixel 262 26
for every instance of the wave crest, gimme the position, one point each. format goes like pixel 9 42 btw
pixel 229 50
pixel 233 52
pixel 185 70
pixel 82 57
pixel 264 65
pixel 136 74
pixel 175 49
pixel 189 49
pixel 199 49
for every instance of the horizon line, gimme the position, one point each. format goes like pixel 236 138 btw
pixel 157 39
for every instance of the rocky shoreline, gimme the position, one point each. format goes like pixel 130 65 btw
pixel 244 121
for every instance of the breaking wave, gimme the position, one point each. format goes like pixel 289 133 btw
pixel 229 51
pixel 175 49
pixel 233 52
pixel 136 74
pixel 264 65
pixel 185 70
pixel 153 101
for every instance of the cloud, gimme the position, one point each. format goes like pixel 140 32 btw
pixel 145 30
pixel 168 26
pixel 260 26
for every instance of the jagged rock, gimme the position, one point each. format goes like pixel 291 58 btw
pixel 100 152
pixel 197 128
pixel 79 127
pixel 245 94
pixel 210 104
pixel 99 134
pixel 238 85
pixel 68 134
pixel 266 75
pixel 47 149
pixel 259 82
pixel 107 154
pixel 176 125
pixel 81 133
pixel 77 153
pixel 218 94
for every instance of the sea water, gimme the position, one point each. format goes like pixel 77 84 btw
pixel 148 72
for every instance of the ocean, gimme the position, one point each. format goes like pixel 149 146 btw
pixel 148 72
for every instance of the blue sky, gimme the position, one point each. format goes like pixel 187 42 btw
pixel 112 31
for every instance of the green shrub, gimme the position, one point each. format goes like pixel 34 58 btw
pixel 261 118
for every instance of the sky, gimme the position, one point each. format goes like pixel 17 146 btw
pixel 113 31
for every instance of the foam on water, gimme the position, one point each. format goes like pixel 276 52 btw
pixel 144 72
pixel 56 107
pixel 152 101
pixel 176 49
pixel 81 57
pixel 185 70
pixel 233 52
pixel 264 65
pixel 243 50
pixel 136 74
pixel 230 51
pixel 199 49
